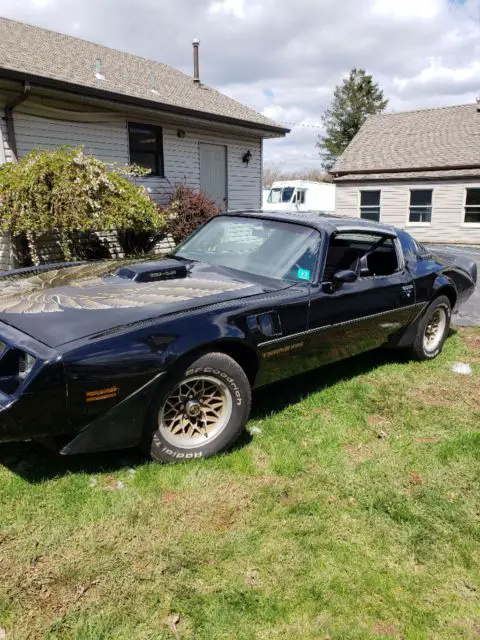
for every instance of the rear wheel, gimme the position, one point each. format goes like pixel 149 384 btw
pixel 433 329
pixel 201 411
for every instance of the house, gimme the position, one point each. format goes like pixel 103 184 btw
pixel 59 90
pixel 417 170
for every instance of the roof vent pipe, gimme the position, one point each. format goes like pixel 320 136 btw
pixel 196 62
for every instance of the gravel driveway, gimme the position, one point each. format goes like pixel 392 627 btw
pixel 469 314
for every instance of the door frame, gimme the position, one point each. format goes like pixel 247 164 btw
pixel 214 144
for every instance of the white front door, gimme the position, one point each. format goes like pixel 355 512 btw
pixel 213 173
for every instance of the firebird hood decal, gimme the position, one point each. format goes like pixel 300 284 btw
pixel 55 291
pixel 60 306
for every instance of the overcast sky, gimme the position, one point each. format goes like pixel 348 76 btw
pixel 284 57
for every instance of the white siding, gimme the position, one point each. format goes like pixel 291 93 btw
pixel 106 140
pixel 346 200
pixel 109 142
pixel 5 152
pixel 182 166
pixel 447 208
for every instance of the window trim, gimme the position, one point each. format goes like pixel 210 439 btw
pixel 468 225
pixel 318 259
pixel 401 264
pixel 160 156
pixel 299 191
pixel 410 223
pixel 360 190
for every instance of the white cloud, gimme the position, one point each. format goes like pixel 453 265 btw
pixel 41 4
pixel 454 79
pixel 235 8
pixel 425 9
pixel 240 9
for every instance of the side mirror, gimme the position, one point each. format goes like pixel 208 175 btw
pixel 346 275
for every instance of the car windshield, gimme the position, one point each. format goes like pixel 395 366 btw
pixel 270 248
pixel 280 194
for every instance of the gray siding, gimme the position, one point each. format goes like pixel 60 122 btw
pixel 447 208
pixel 106 140
pixel 109 142
pixel 5 152
pixel 182 166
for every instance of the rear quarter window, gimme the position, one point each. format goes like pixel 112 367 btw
pixel 410 247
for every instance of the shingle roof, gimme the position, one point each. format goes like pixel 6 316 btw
pixel 427 174
pixel 41 54
pixel 435 139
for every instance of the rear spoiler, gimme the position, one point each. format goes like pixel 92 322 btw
pixel 460 262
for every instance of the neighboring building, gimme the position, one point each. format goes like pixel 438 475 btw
pixel 301 195
pixel 59 90
pixel 418 170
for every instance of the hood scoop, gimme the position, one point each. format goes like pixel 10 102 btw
pixel 153 271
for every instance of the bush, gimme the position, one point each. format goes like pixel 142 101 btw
pixel 68 191
pixel 186 211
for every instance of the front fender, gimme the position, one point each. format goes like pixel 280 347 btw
pixel 112 380
pixel 199 333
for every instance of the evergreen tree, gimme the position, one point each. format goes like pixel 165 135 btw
pixel 355 99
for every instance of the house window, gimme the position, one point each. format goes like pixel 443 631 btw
pixel 370 205
pixel 146 147
pixel 472 206
pixel 420 205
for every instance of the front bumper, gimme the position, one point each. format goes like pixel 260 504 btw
pixel 31 405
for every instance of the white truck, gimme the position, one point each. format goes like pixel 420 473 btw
pixel 300 195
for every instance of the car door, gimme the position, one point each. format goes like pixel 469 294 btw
pixel 278 330
pixel 353 317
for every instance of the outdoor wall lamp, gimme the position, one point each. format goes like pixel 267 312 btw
pixel 180 133
pixel 246 157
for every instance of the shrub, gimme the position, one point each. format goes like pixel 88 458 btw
pixel 186 211
pixel 68 191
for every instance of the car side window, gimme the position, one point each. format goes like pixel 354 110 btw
pixel 411 248
pixel 367 254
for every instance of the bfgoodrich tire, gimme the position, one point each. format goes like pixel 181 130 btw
pixel 200 411
pixel 432 330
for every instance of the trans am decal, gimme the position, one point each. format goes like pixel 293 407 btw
pixel 75 288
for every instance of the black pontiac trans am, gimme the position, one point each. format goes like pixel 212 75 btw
pixel 164 354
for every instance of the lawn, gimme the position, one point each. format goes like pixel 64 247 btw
pixel 351 511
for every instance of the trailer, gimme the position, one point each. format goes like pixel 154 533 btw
pixel 300 195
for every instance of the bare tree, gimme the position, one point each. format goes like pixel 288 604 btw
pixel 274 172
pixel 312 175
pixel 271 173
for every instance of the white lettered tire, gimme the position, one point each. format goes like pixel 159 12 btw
pixel 433 330
pixel 200 411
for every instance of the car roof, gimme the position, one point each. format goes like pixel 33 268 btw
pixel 319 220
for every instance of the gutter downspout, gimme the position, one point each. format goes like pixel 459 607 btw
pixel 9 108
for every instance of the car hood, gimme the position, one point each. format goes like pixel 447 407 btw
pixel 61 305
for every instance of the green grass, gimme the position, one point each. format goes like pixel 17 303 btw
pixel 353 514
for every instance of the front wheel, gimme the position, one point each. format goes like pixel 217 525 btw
pixel 201 411
pixel 433 329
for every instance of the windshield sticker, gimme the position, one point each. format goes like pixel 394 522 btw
pixel 303 274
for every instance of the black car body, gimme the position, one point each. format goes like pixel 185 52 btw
pixel 85 351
